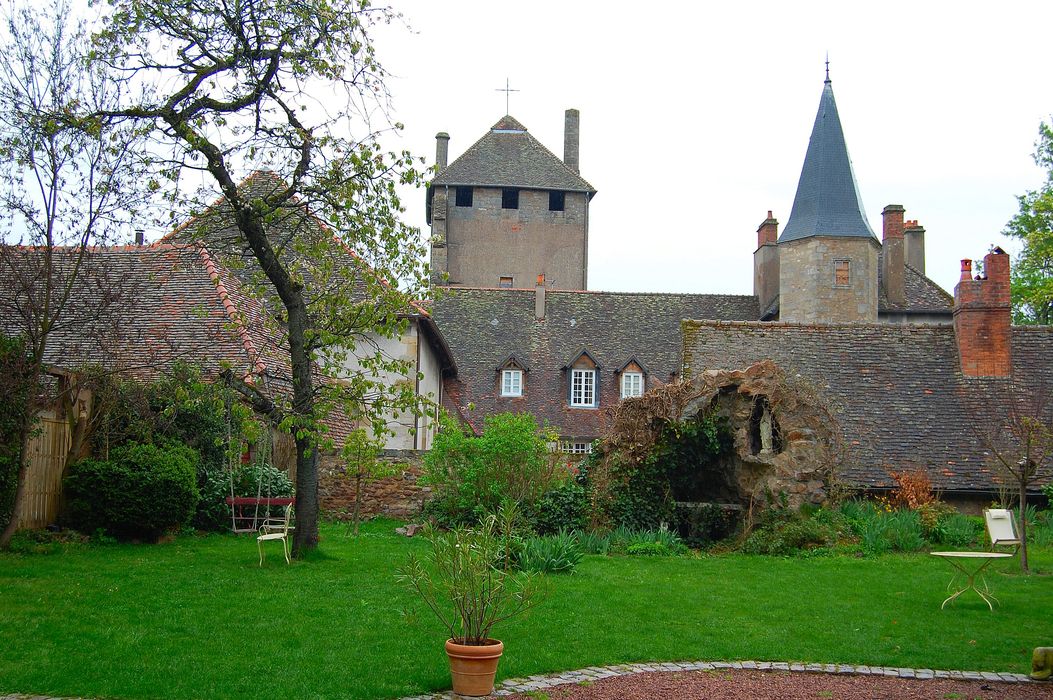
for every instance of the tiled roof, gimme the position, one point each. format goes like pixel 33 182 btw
pixel 508 156
pixel 142 308
pixel 901 398
pixel 487 326
pixel 827 201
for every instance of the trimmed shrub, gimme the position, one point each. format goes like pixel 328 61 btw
pixel 141 492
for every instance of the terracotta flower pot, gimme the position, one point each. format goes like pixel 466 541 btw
pixel 473 666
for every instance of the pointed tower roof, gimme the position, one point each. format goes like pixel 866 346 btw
pixel 508 156
pixel 827 201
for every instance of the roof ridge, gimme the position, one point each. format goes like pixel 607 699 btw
pixel 822 326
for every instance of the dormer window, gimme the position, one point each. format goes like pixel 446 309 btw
pixel 632 384
pixel 633 378
pixel 583 378
pixel 511 376
pixel 509 198
pixel 463 197
pixel 511 382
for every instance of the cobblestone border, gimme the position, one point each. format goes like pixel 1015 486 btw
pixel 594 673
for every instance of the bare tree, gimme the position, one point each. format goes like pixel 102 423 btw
pixel 1014 425
pixel 289 87
pixel 67 187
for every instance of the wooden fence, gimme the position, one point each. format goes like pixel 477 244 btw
pixel 47 457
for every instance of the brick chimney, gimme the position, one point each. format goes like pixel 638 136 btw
pixel 442 149
pixel 766 263
pixel 892 272
pixel 571 128
pixel 914 245
pixel 539 298
pixel 982 318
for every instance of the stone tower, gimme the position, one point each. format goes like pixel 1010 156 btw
pixel 828 256
pixel 510 213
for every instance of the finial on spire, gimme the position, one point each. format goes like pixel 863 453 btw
pixel 827 67
pixel 508 90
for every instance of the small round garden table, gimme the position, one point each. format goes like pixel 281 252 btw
pixel 971 565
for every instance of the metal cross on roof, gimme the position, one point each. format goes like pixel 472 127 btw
pixel 507 90
pixel 828 66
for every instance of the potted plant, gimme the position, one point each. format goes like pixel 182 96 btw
pixel 466 578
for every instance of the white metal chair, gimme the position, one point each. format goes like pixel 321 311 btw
pixel 276 529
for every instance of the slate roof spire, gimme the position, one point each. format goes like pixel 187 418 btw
pixel 827 201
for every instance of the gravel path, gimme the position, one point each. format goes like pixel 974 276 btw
pixel 784 685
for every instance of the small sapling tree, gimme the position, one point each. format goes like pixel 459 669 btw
pixel 361 454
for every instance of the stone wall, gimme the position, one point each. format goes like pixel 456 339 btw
pixel 809 291
pixel 398 496
pixel 484 242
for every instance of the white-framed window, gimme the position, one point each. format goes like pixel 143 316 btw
pixel 632 384
pixel 583 387
pixel 575 448
pixel 511 382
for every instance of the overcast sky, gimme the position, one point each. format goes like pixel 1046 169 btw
pixel 695 117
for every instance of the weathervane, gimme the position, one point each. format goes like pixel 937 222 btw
pixel 507 90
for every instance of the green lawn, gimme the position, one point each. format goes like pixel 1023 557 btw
pixel 197 618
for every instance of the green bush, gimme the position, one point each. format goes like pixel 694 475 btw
pixel 565 507
pixel 957 530
pixel 782 531
pixel 905 531
pixel 552 554
pixel 622 539
pixel 142 491
pixel 471 476
pixel 648 549
pixel 249 480
pixel 593 542
pixel 1040 531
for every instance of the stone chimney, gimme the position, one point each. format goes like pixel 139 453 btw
pixel 539 298
pixel 914 245
pixel 892 272
pixel 766 263
pixel 571 128
pixel 442 149
pixel 982 318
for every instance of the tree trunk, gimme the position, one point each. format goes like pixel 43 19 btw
pixel 306 536
pixel 20 484
pixel 1022 529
